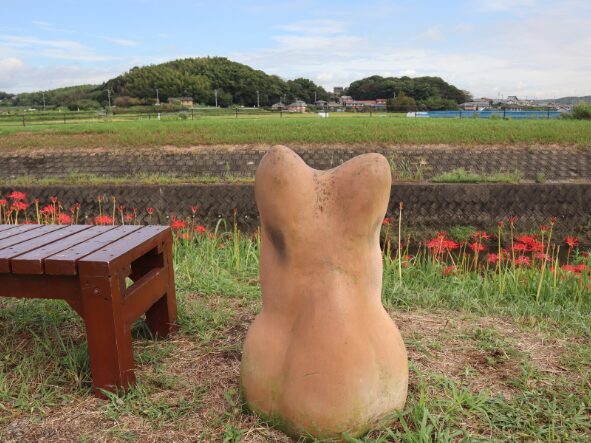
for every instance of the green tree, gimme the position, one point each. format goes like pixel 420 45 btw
pixel 402 103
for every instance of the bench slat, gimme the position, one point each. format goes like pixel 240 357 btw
pixel 14 251
pixel 126 250
pixel 17 230
pixel 28 235
pixel 65 262
pixel 33 262
pixel 7 227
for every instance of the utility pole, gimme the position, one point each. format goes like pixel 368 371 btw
pixel 315 97
pixel 258 101
pixel 109 96
pixel 43 101
pixel 157 98
pixel 215 92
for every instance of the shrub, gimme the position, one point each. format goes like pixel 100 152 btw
pixel 582 111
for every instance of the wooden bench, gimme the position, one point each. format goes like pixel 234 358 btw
pixel 87 266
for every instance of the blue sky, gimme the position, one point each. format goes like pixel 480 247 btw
pixel 490 47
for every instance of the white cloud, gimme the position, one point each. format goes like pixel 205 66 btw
pixel 28 46
pixel 17 76
pixel 433 34
pixel 504 5
pixel 121 41
pixel 464 27
pixel 319 26
pixel 49 27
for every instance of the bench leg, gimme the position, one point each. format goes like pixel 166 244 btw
pixel 108 334
pixel 161 317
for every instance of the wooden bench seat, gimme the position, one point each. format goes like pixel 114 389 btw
pixel 87 266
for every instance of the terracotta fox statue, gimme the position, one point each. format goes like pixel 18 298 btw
pixel 323 357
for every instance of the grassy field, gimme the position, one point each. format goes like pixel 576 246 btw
pixel 310 130
pixel 485 364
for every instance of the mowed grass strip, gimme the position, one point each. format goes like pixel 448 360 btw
pixel 310 130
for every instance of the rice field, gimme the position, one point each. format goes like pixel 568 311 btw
pixel 345 129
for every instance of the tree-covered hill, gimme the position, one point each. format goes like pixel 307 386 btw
pixel 427 92
pixel 235 83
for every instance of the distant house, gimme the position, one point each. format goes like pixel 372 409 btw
pixel 366 105
pixel 475 105
pixel 187 102
pixel 320 103
pixel 279 106
pixel 338 90
pixel 297 106
pixel 333 106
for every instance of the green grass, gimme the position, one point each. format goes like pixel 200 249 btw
pixel 460 175
pixel 139 179
pixel 484 365
pixel 309 130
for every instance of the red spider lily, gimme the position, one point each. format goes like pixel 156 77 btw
pixel 536 247
pixel 194 209
pixel 571 241
pixel 441 244
pixel 150 211
pixel 103 220
pixel 64 219
pixel 441 234
pixel 177 224
pixel 20 206
pixel 553 220
pixel 100 198
pixel 53 200
pixel 200 229
pixel 121 208
pixel 387 221
pixel 522 260
pixel 544 228
pixel 129 217
pixel 585 254
pixel 568 268
pixel 542 256
pixel 520 247
pixel 2 202
pixel 526 239
pixel 48 209
pixel 480 235
pixel 16 195
pixel 492 258
pixel 450 270
pixel 477 246
pixel 580 268
pixel 500 223
pixel 512 220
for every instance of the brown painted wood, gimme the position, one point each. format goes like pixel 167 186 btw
pixel 161 317
pixel 33 262
pixel 144 293
pixel 39 286
pixel 126 250
pixel 28 235
pixel 7 227
pixel 109 335
pixel 18 230
pixel 97 292
pixel 65 262
pixel 11 252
